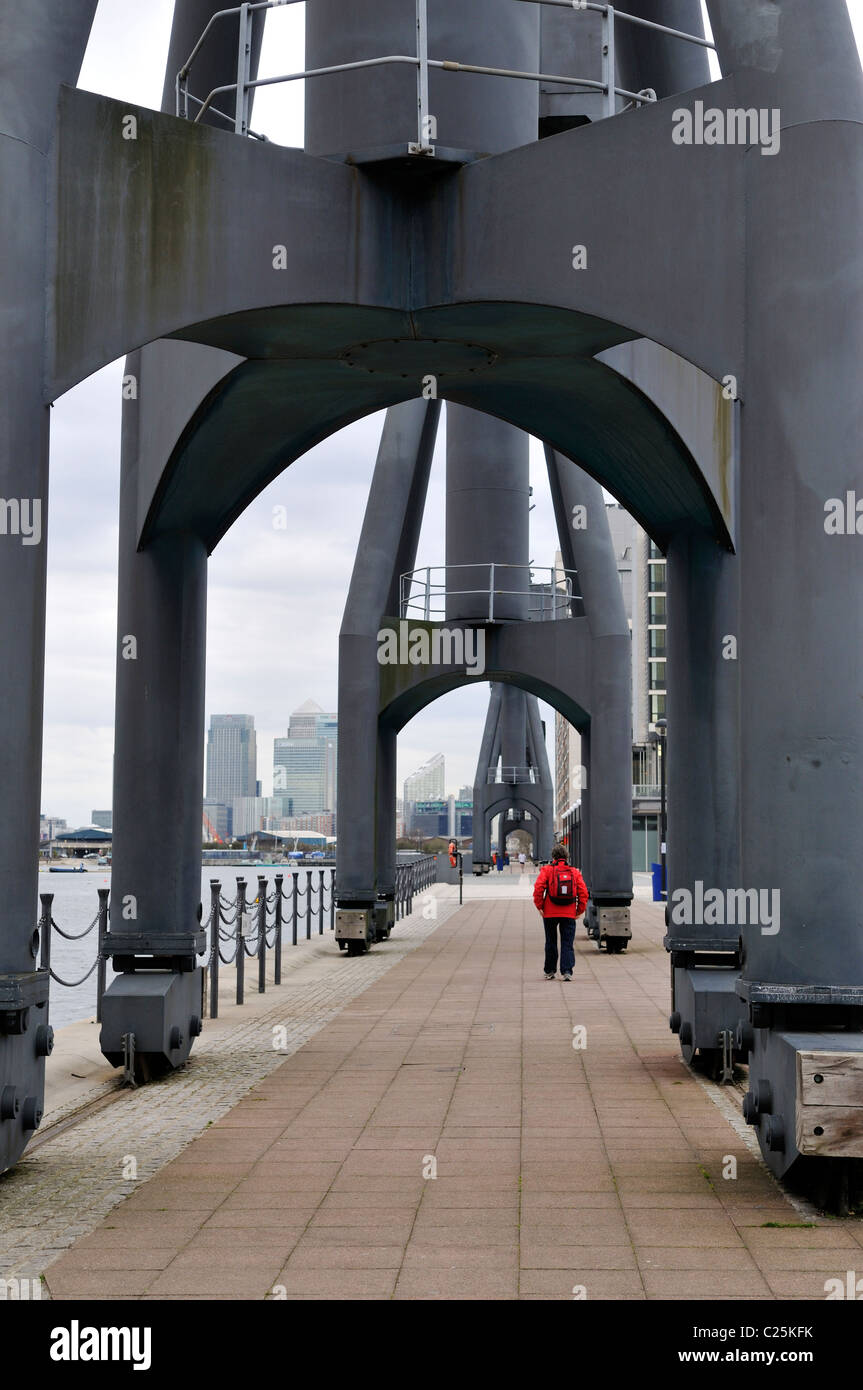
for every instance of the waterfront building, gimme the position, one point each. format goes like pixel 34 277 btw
pixel 248 814
pixel 216 821
pixel 446 816
pixel 232 758
pixel 322 823
pixel 50 827
pixel 104 819
pixel 305 763
pixel 426 784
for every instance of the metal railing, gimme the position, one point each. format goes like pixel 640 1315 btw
pixel 242 927
pixel 411 878
pixel 423 145
pixel 512 775
pixel 424 596
pixel 647 791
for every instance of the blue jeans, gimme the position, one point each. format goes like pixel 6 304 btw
pixel 567 939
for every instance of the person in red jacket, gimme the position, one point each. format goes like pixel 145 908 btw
pixel 560 893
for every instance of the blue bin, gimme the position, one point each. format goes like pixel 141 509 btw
pixel 658 885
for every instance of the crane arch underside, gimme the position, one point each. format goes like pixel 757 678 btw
pixel 261 415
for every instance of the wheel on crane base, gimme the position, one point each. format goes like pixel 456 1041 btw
pixel 615 944
pixel 357 948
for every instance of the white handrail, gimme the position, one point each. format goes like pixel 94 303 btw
pixel 549 591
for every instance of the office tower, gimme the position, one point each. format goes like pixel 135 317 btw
pixel 232 757
pixel 248 814
pixel 304 763
pixel 427 783
pixel 104 819
pixel 424 785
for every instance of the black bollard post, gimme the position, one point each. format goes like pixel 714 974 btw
pixel 262 934
pixel 215 920
pixel 277 967
pixel 241 939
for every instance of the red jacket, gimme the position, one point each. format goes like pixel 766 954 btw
pixel 550 909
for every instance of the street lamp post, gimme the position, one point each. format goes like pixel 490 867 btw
pixel 662 725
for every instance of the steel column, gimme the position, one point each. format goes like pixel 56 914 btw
pixel 42 47
pixel 388 541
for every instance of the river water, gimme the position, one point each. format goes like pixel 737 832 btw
pixel 76 902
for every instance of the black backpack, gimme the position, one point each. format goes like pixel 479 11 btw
pixel 561 886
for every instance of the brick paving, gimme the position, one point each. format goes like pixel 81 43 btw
pixel 441 1138
pixel 65 1188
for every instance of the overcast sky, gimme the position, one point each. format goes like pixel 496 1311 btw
pixel 275 597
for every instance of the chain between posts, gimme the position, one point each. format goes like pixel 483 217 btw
pixel 229 922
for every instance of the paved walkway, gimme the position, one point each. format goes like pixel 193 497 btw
pixel 83 1163
pixel 441 1137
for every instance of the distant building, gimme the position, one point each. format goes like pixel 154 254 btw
pixel 104 819
pixel 50 827
pixel 444 817
pixel 430 818
pixel 320 824
pixel 305 763
pixel 248 814
pixel 426 784
pixel 232 758
pixel 463 818
pixel 216 822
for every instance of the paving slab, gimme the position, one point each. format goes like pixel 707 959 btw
pixel 436 1135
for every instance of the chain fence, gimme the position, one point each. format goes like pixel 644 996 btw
pixel 256 922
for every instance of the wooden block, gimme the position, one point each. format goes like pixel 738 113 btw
pixel 830 1101
pixel 841 1076
pixel 841 1129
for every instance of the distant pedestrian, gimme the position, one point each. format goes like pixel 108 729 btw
pixel 560 894
pixel 522 861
